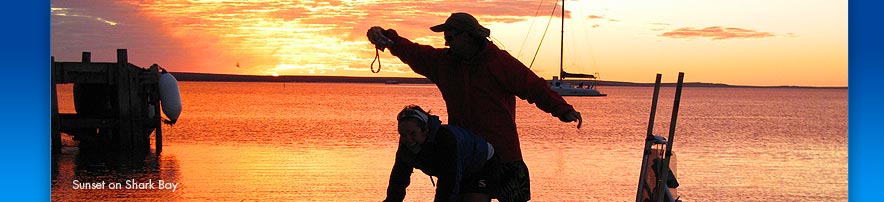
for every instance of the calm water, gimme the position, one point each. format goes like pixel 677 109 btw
pixel 336 142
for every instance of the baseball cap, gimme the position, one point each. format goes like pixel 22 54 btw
pixel 462 22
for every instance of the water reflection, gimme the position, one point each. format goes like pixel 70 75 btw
pixel 336 142
pixel 108 176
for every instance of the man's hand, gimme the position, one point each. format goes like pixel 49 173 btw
pixel 572 116
pixel 376 36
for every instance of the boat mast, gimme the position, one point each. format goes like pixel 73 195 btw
pixel 562 46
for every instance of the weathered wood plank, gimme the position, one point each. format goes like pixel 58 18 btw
pixel 124 104
pixel 73 121
pixel 55 133
pixel 77 72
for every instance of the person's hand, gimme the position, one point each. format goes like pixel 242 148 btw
pixel 376 36
pixel 572 116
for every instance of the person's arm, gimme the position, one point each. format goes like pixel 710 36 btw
pixel 448 188
pixel 423 59
pixel 520 80
pixel 451 175
pixel 400 178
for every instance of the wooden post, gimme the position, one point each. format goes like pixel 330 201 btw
pixel 87 57
pixel 159 134
pixel 124 132
pixel 664 168
pixel 55 133
pixel 649 143
pixel 154 69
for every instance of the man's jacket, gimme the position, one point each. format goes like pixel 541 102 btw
pixel 480 94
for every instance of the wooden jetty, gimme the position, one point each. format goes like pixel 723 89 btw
pixel 117 105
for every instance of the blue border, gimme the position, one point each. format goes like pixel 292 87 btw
pixel 25 84
pixel 25 145
pixel 864 100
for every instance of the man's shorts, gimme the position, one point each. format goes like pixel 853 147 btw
pixel 513 183
pixel 507 182
pixel 480 182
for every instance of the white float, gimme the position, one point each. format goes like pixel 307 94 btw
pixel 170 96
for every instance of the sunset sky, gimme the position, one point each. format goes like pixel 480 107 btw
pixel 745 42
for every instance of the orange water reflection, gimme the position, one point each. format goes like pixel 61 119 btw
pixel 322 142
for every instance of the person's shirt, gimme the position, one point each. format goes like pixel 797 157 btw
pixel 449 153
pixel 480 94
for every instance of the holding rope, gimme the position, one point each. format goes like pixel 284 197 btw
pixel 377 57
pixel 381 42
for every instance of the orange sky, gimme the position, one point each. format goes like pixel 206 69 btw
pixel 750 42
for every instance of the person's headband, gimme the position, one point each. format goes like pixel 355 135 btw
pixel 413 113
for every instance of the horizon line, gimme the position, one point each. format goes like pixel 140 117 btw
pixel 219 77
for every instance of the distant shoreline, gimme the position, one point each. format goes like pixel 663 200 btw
pixel 188 76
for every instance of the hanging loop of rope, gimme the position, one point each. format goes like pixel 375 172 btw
pixel 377 57
pixel 381 42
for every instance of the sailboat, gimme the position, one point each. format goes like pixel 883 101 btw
pixel 558 84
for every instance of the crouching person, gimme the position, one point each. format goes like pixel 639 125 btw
pixel 460 160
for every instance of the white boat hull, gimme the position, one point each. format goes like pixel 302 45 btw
pixel 568 89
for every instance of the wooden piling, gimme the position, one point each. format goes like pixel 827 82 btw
pixel 55 134
pixel 87 57
pixel 649 143
pixel 134 104
pixel 123 108
pixel 155 70
pixel 664 168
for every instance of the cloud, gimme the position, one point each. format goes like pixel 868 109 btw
pixel 101 27
pixel 348 19
pixel 658 26
pixel 599 17
pixel 213 36
pixel 67 12
pixel 716 33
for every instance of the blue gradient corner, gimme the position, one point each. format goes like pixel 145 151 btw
pixel 25 82
pixel 864 162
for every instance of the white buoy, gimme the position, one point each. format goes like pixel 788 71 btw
pixel 170 96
